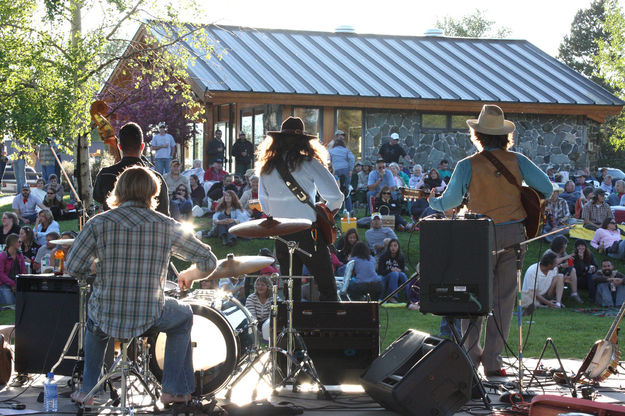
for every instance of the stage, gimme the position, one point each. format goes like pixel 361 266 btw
pixel 347 403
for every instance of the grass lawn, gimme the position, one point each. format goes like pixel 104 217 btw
pixel 573 332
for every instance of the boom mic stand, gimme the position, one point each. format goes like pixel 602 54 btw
pixel 83 213
pixel 519 268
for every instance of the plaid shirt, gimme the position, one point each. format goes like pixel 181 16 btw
pixel 596 214
pixel 559 210
pixel 132 246
pixel 45 155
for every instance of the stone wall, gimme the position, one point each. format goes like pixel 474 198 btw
pixel 548 140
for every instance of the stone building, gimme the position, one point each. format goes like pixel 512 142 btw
pixel 422 87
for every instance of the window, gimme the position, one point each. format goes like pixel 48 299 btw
pixel 445 121
pixel 434 121
pixel 197 137
pixel 311 118
pixel 350 121
pixel 460 122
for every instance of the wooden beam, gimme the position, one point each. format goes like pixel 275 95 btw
pixel 209 128
pixel 594 112
pixel 328 124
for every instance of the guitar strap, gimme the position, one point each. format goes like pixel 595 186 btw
pixel 501 168
pixel 297 190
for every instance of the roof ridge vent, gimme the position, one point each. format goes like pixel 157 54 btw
pixel 345 29
pixel 435 32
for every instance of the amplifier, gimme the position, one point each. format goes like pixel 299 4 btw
pixel 342 338
pixel 456 266
pixel 46 309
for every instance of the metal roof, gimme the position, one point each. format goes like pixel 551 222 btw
pixel 369 65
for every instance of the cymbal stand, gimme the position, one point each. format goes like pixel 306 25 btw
pixel 79 331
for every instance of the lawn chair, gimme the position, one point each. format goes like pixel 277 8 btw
pixel 342 282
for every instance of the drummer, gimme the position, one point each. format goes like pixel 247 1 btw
pixel 131 245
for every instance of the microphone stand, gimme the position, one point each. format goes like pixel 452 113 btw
pixel 519 266
pixel 83 213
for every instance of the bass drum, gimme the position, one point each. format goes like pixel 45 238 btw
pixel 223 334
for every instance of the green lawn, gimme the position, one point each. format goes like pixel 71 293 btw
pixel 573 332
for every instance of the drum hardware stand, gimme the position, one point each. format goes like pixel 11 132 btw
pixel 519 269
pixel 77 331
pixel 303 363
pixel 569 383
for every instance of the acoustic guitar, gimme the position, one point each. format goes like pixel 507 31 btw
pixel 603 358
pixel 410 194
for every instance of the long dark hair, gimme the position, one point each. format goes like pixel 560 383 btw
pixel 587 255
pixel 345 237
pixel 361 250
pixel 293 149
pixel 30 234
pixel 387 250
pixel 235 204
pixel 483 140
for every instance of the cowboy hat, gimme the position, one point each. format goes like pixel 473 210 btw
pixel 294 127
pixel 491 121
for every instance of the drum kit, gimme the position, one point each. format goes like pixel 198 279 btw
pixel 225 337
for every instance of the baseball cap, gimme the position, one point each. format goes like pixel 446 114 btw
pixel 218 161
pixel 395 136
pixel 376 214
pixel 25 186
pixel 336 133
pixel 174 162
pixel 599 191
pixel 358 163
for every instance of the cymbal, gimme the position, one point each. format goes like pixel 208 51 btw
pixel 63 241
pixel 233 266
pixel 270 227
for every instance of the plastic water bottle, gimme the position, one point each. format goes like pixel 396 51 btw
pixel 50 394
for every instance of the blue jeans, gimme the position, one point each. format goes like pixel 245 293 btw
pixel 176 321
pixel 7 297
pixel 47 170
pixel 620 254
pixel 19 166
pixel 446 329
pixel 393 280
pixel 161 164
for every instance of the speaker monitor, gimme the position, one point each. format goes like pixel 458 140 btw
pixel 342 338
pixel 46 309
pixel 420 375
pixel 456 266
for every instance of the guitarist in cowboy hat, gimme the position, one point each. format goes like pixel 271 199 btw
pixel 304 157
pixel 491 194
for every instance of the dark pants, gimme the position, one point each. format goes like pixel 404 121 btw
pixel 320 264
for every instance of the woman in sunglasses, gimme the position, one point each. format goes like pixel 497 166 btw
pixel 386 205
pixel 180 205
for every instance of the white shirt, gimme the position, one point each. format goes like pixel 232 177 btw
pixel 278 201
pixel 543 281
pixel 163 139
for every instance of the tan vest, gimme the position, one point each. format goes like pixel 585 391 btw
pixel 491 194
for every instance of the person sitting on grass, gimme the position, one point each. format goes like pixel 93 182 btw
pixel 345 244
pixel 391 266
pixel 44 225
pixel 585 267
pixel 228 213
pixel 53 182
pixel 365 281
pixel 377 234
pixel 607 239
pixel 384 203
pixel 610 290
pixel 596 210
pixel 259 303
pixel 541 284
pixel 180 204
pixel 11 264
pixel 28 246
pixel 197 190
pixel 564 263
pixel 43 260
pixel 56 205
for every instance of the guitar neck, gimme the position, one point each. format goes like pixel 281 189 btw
pixel 612 335
pixel 410 194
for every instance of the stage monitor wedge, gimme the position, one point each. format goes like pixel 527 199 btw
pixel 419 374
pixel 456 266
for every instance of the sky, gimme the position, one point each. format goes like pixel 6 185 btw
pixel 542 22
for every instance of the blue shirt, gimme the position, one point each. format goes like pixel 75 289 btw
pixel 364 270
pixel 386 181
pixel 461 178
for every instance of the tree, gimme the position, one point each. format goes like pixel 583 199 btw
pixel 580 48
pixel 51 70
pixel 475 25
pixel 611 63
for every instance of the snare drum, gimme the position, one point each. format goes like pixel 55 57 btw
pixel 224 333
